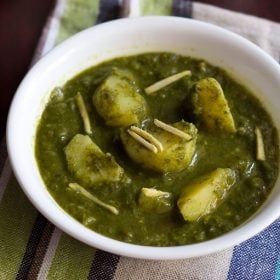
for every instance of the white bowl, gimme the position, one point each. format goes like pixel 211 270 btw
pixel 246 63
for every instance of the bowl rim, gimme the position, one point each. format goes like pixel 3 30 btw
pixel 80 232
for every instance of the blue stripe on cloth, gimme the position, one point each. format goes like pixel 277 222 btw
pixel 182 8
pixel 108 10
pixel 277 274
pixel 103 266
pixel 34 239
pixel 256 258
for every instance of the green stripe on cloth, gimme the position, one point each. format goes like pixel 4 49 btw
pixel 78 15
pixel 17 216
pixel 155 7
pixel 72 260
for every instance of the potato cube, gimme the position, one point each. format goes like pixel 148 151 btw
pixel 118 102
pixel 212 107
pixel 177 152
pixel 89 164
pixel 203 196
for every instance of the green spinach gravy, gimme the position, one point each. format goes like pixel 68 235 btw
pixel 186 189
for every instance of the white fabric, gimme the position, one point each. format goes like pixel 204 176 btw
pixel 211 267
pixel 262 32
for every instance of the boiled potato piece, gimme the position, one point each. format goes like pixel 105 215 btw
pixel 117 100
pixel 212 107
pixel 177 152
pixel 203 196
pixel 155 201
pixel 89 164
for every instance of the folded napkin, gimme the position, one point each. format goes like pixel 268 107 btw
pixel 32 248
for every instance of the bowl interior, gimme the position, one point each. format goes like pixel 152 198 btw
pixel 243 60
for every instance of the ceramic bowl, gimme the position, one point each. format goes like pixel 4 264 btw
pixel 244 61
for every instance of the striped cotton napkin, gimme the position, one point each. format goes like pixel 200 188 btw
pixel 32 248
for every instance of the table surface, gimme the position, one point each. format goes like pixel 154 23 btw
pixel 21 24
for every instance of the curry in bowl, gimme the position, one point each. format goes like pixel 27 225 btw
pixel 157 149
